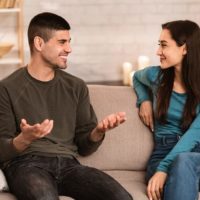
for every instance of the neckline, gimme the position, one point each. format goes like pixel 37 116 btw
pixel 179 93
pixel 42 83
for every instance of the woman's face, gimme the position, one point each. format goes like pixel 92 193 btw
pixel 170 54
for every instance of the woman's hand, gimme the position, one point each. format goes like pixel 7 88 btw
pixel 156 185
pixel 146 114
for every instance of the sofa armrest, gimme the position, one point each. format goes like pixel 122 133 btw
pixel 3 182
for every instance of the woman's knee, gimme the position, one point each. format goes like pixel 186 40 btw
pixel 183 162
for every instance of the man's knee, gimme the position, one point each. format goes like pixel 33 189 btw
pixel 33 185
pixel 124 196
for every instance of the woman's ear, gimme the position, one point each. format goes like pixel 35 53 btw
pixel 184 49
pixel 38 43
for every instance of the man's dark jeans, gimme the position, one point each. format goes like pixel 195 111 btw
pixel 33 177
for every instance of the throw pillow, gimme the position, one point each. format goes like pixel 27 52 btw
pixel 3 182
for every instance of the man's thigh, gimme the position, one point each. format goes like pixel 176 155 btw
pixel 29 182
pixel 86 183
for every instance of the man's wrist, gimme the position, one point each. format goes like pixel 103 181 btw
pixel 96 135
pixel 20 143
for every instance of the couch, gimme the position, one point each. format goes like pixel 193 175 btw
pixel 125 150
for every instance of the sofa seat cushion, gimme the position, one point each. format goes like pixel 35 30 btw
pixel 3 182
pixel 132 181
pixel 7 196
pixel 65 198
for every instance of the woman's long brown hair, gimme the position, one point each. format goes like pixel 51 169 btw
pixel 183 32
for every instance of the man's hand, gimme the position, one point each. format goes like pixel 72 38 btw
pixel 30 133
pixel 146 114
pixel 156 185
pixel 109 122
pixel 36 131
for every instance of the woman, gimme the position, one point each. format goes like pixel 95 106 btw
pixel 173 112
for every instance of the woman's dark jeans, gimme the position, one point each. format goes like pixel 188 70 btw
pixel 162 147
pixel 33 177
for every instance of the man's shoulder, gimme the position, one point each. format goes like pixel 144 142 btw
pixel 12 82
pixel 13 78
pixel 70 79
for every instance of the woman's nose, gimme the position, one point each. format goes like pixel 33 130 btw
pixel 159 51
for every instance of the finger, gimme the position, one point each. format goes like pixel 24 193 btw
pixel 100 127
pixel 123 119
pixel 49 127
pixel 36 128
pixel 121 114
pixel 114 121
pixel 154 195
pixel 46 129
pixel 118 120
pixel 105 124
pixel 23 123
pixel 142 116
pixel 149 192
pixel 157 192
pixel 158 195
pixel 111 120
pixel 49 130
pixel 144 120
pixel 147 121
pixel 151 124
pixel 161 193
pixel 152 190
pixel 44 123
pixel 120 117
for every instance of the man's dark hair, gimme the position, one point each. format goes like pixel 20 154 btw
pixel 43 25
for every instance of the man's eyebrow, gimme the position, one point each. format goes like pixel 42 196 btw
pixel 64 40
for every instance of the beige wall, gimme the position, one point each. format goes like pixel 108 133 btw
pixel 106 33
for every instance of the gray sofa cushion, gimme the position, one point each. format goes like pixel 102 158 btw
pixel 127 147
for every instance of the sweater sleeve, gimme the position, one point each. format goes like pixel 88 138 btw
pixel 143 81
pixel 186 144
pixel 86 121
pixel 8 128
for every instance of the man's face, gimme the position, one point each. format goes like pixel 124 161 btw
pixel 54 52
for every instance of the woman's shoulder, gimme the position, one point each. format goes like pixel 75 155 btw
pixel 152 73
pixel 153 70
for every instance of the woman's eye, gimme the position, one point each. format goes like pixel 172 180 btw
pixel 162 45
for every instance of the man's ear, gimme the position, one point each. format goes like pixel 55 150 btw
pixel 38 43
pixel 184 49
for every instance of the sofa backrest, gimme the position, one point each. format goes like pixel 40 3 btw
pixel 128 146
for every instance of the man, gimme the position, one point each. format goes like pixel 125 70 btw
pixel 46 119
